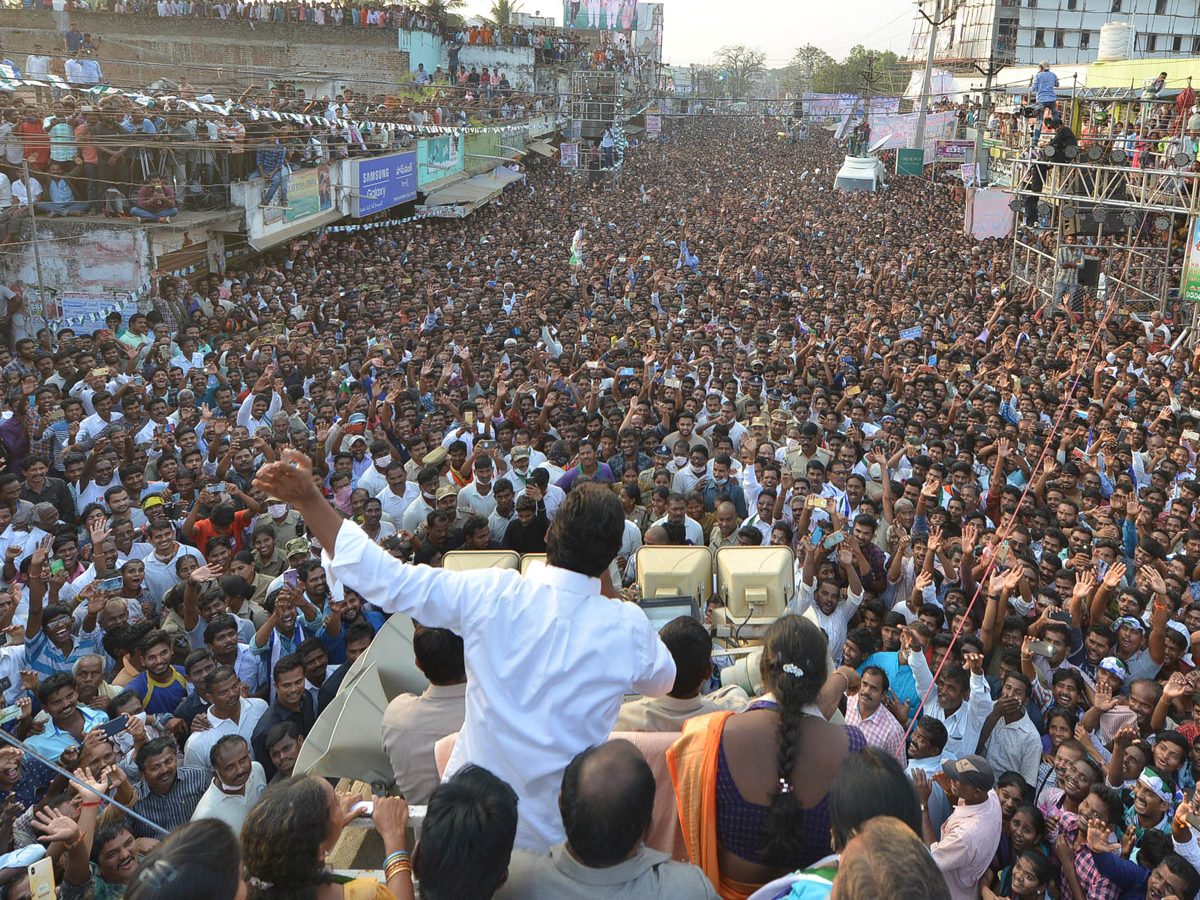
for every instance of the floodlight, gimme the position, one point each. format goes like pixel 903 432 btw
pixel 465 560
pixel 528 559
pixel 1117 156
pixel 674 571
pixel 755 584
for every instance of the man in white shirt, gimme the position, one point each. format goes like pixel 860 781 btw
pixel 230 713
pixel 959 701
pixel 532 642
pixel 677 512
pixel 1011 740
pixel 236 786
pixel 398 492
pixel 821 603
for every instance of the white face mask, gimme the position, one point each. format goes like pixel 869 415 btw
pixel 277 510
pixel 382 462
pixel 429 497
pixel 680 461
pixel 699 470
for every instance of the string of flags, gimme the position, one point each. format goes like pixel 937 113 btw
pixel 10 80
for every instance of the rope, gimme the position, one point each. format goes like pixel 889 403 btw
pixel 22 746
pixel 987 572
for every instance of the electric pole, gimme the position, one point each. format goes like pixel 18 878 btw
pixel 935 22
pixel 989 73
pixel 869 78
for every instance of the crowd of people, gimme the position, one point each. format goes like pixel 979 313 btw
pixel 984 685
pixel 112 156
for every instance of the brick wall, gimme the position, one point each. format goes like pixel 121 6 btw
pixel 216 54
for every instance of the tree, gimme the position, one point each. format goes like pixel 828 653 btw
pixel 741 62
pixel 504 11
pixel 798 76
pixel 443 10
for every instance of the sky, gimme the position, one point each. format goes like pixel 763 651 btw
pixel 695 29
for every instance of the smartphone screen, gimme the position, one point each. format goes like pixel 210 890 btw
pixel 115 726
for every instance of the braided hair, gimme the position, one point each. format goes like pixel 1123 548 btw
pixel 794 670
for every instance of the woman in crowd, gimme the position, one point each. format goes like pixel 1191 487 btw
pixel 753 788
pixel 198 861
pixel 296 823
pixel 868 786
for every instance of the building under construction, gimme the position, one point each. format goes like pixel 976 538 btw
pixel 1027 32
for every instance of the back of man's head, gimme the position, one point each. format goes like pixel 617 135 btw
pixel 467 839
pixel 439 654
pixel 885 860
pixel 586 532
pixel 691 648
pixel 606 802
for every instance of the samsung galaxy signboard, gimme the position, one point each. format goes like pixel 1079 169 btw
pixel 382 182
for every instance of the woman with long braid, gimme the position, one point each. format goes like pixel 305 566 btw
pixel 753 788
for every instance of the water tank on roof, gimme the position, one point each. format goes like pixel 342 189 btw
pixel 1116 41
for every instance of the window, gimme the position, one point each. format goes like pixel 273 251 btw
pixel 1151 43
pixel 1085 40
pixel 1116 6
pixel 1160 7
pixel 1060 38
pixel 1177 43
pixel 1039 38
pixel 1196 44
pixel 1071 4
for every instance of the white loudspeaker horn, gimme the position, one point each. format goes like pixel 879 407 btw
pixel 391 653
pixel 465 560
pixel 345 742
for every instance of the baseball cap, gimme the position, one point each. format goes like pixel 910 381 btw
pixel 520 453
pixel 973 770
pixel 1113 666
pixel 294 546
pixel 444 492
pixel 1130 622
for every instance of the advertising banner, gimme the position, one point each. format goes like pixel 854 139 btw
pixel 653 124
pixel 952 151
pixel 568 155
pixel 383 182
pixel 600 15
pixel 309 192
pixel 1191 272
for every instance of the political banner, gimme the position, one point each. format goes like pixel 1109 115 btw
pixel 309 191
pixel 84 311
pixel 600 15
pixel 653 124
pixel 1191 272
pixel 568 155
pixel 989 215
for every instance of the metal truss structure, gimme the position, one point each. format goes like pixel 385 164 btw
pixel 1134 222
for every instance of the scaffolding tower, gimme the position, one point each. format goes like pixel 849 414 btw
pixel 1132 224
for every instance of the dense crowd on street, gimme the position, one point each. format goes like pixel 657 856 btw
pixel 984 684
